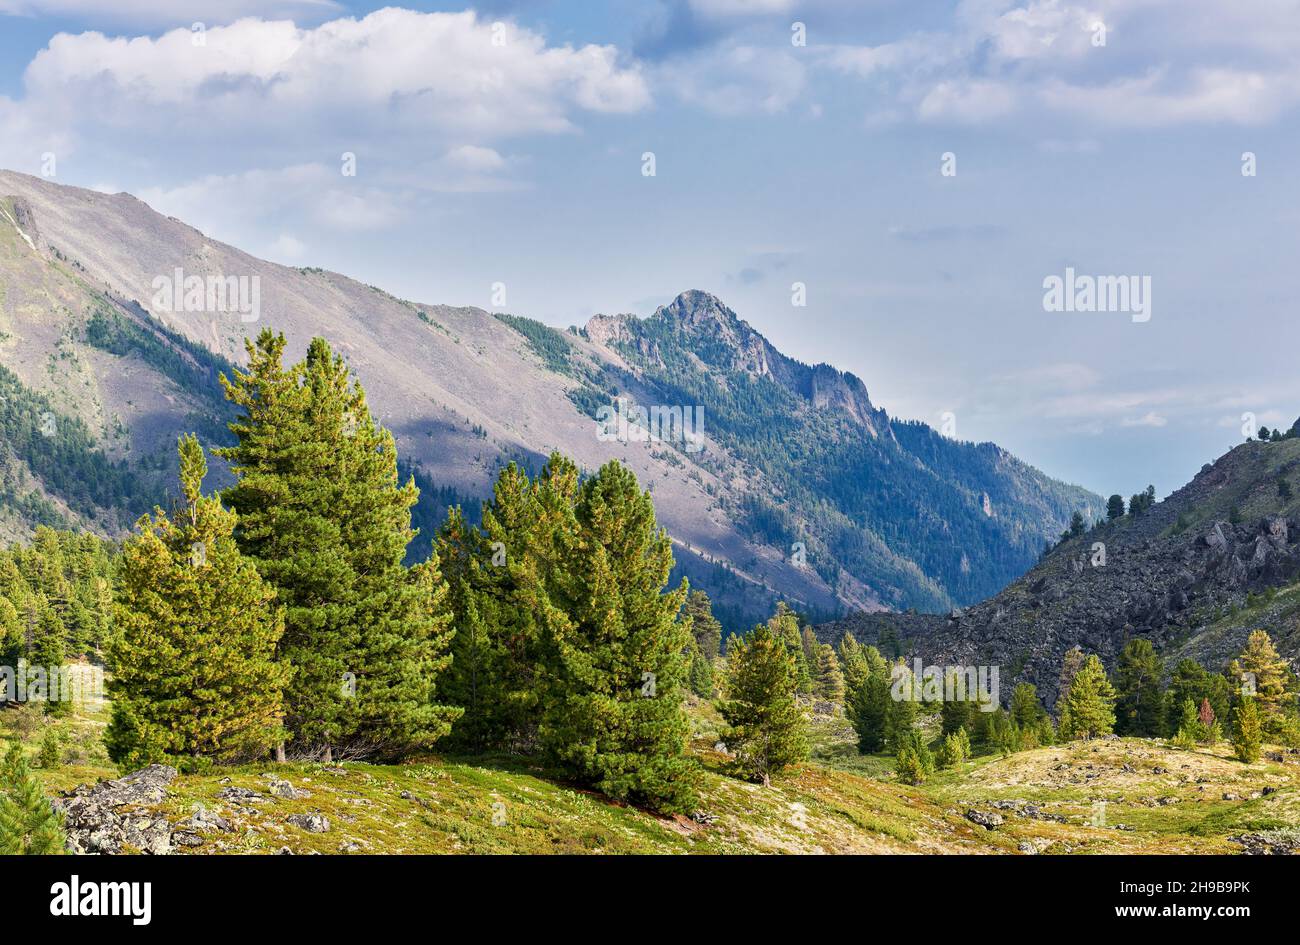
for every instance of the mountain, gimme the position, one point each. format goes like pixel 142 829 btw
pixel 115 322
pixel 1194 574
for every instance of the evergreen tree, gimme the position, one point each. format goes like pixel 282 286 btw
pixel 1272 678
pixel 785 625
pixel 503 583
pixel 194 668
pixel 701 679
pixel 853 663
pixel 1140 705
pixel 613 715
pixel 955 713
pixel 868 704
pixel 1247 730
pixel 766 728
pixel 327 525
pixel 1191 682
pixel 914 761
pixel 705 627
pixel 1115 507
pixel 1025 710
pixel 830 679
pixel 46 652
pixel 28 824
pixel 1070 664
pixel 1088 709
pixel 901 711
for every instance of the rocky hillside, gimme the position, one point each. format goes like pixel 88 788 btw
pixel 101 374
pixel 1194 574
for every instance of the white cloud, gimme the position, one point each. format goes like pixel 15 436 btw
pixel 736 79
pixel 1161 63
pixel 1148 419
pixel 392 75
pixel 168 12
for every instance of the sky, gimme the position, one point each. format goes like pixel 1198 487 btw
pixel 922 170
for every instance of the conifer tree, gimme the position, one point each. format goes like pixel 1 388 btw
pixel 502 580
pixel 868 704
pixel 1025 709
pixel 830 679
pixel 46 652
pixel 28 824
pixel 766 728
pixel 701 678
pixel 914 762
pixel 323 517
pixel 1140 699
pixel 853 663
pixel 1070 664
pixel 1272 694
pixel 194 658
pixel 955 713
pixel 901 711
pixel 1191 682
pixel 705 627
pixel 613 714
pixel 1088 709
pixel 1247 730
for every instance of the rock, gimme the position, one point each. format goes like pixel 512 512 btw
pixel 184 838
pixel 1159 770
pixel 286 790
pixel 1228 796
pixel 986 819
pixel 349 846
pixel 704 817
pixel 312 823
pixel 405 795
pixel 240 795
pixel 1270 842
pixel 108 817
pixel 204 819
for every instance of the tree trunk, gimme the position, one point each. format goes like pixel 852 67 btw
pixel 328 757
pixel 279 753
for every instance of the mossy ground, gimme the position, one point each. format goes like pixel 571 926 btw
pixel 1157 800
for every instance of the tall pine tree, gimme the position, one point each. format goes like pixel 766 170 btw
pixel 194 670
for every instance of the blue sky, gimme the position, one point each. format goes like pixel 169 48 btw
pixel 520 162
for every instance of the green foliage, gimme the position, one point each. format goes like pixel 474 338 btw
pixel 1192 683
pixel 701 675
pixel 194 662
pixel 830 679
pixel 547 343
pixel 323 517
pixel 705 627
pixel 1274 684
pixel 766 730
pixel 1140 705
pixel 66 460
pixel 953 750
pixel 503 580
pixel 914 761
pixel 1025 708
pixel 1247 730
pixel 1115 507
pixel 616 659
pixel 28 824
pixel 1088 709
pixel 868 703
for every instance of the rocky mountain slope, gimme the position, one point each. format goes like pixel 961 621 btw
pixel 886 514
pixel 1194 574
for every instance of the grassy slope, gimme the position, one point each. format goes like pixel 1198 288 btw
pixel 819 807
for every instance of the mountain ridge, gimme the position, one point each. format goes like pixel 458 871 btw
pixel 466 390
